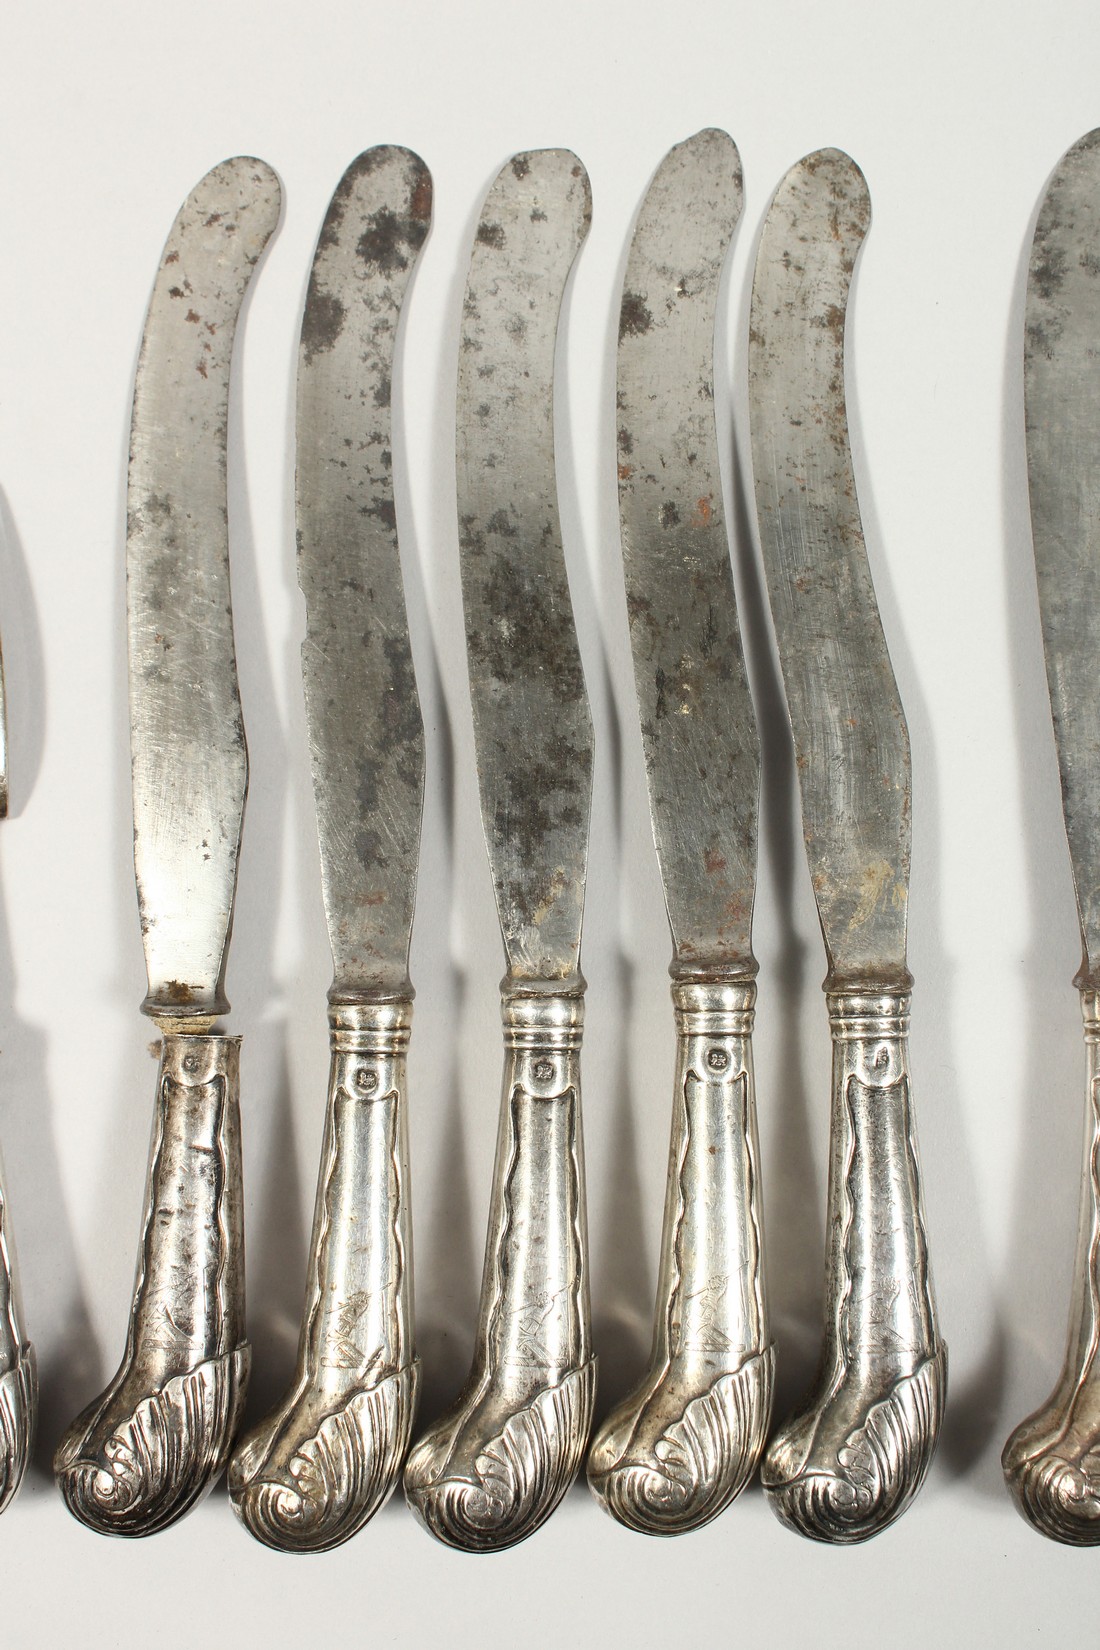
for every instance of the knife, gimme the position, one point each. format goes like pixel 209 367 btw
pixel 314 1471
pixel 1052 1460
pixel 497 1464
pixel 852 1460
pixel 18 1370
pixel 684 1443
pixel 145 1451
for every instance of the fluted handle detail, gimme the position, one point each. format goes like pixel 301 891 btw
pixel 686 1441
pixel 18 1377
pixel 151 1446
pixel 497 1464
pixel 1052 1460
pixel 851 1462
pixel 315 1470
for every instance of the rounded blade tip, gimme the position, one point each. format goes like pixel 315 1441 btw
pixel 386 158
pixel 710 147
pixel 834 173
pixel 239 186
pixel 537 170
pixel 699 185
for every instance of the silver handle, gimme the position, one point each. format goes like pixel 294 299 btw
pixel 493 1469
pixel 686 1441
pixel 851 1462
pixel 314 1471
pixel 155 1442
pixel 1052 1460
pixel 18 1375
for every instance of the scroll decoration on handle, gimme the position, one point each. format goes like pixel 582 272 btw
pixel 492 1469
pixel 851 1461
pixel 677 1450
pixel 1052 1459
pixel 312 1473
pixel 144 1452
pixel 151 1446
pixel 686 1440
pixel 498 1463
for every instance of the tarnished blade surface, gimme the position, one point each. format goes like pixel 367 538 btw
pixel 531 719
pixel 1062 401
pixel 851 742
pixel 190 767
pixel 698 728
pixel 366 735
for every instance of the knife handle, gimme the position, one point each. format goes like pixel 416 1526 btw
pixel 493 1469
pixel 151 1446
pixel 1052 1460
pixel 18 1378
pixel 851 1462
pixel 686 1441
pixel 315 1470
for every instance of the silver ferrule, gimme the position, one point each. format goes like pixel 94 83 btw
pixel 714 1009
pixel 381 1028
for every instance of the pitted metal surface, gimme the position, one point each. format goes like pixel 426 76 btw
pixel 190 766
pixel 365 730
pixel 850 737
pixel 531 718
pixel 698 727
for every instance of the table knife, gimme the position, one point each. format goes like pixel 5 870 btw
pixel 683 1444
pixel 314 1471
pixel 1052 1460
pixel 497 1464
pixel 145 1451
pixel 18 1371
pixel 851 1461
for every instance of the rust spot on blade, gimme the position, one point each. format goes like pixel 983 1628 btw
pixel 702 513
pixel 634 318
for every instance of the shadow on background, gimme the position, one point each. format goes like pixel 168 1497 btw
pixel 54 1303
pixel 1033 1293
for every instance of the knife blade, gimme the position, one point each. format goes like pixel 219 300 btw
pixel 1052 1460
pixel 18 1367
pixel 312 1473
pixel 145 1451
pixel 685 1441
pixel 851 1461
pixel 497 1464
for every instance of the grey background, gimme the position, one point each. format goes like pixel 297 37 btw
pixel 957 114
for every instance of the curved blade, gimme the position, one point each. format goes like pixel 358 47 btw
pixel 1062 404
pixel 190 767
pixel 851 742
pixel 531 719
pixel 698 728
pixel 365 731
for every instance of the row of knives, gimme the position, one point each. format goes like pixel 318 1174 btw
pixel 678 1449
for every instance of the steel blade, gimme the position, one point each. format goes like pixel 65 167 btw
pixel 190 767
pixel 850 737
pixel 531 719
pixel 1062 408
pixel 365 729
pixel 698 728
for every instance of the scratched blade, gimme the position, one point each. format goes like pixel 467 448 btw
pixel 698 728
pixel 1062 406
pixel 366 734
pixel 850 737
pixel 190 767
pixel 531 718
